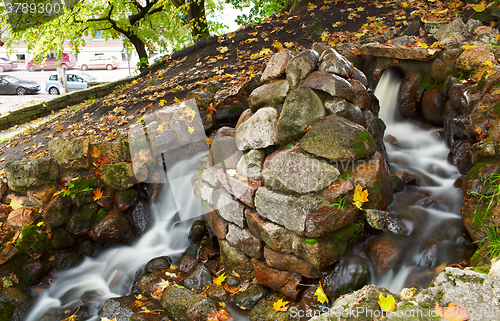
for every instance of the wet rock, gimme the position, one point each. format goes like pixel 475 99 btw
pixel 243 190
pixel 198 278
pixel 330 83
pixel 408 97
pixel 394 224
pixel 376 128
pixel 183 304
pixel 290 262
pixel 70 154
pixel 57 212
pixel 361 98
pixel 375 218
pixel 197 231
pixel 287 211
pixel 61 239
pixel 324 251
pixel 245 241
pixel 140 316
pixel 483 150
pixel 250 297
pixel 374 175
pixel 217 223
pixel 285 282
pixel 410 179
pixel 433 107
pixel 81 221
pixel 300 66
pixel 14 302
pixel 121 176
pixel 207 250
pixel 458 96
pixel 290 170
pixel 216 292
pixel 338 139
pixel 229 208
pixel 275 236
pixel 338 188
pixel 259 131
pixel 121 308
pixel 350 274
pixel 235 261
pixel 333 62
pixel 310 304
pixel 474 58
pixel 269 95
pixel 158 264
pixel 276 66
pixel 301 109
pixel 223 148
pixel 250 164
pixel 89 248
pixel 384 251
pixel 404 53
pixel 126 199
pixel 108 198
pixel 41 195
pixel 35 271
pixel 459 155
pixel 264 311
pixel 188 262
pixel 201 96
pixel 397 183
pixel 22 217
pixel 328 219
pixel 23 175
pixel 114 228
pixel 65 260
pixel 140 216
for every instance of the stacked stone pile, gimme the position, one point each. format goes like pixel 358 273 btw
pixel 278 188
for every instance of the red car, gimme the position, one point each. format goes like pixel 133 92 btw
pixel 6 64
pixel 50 62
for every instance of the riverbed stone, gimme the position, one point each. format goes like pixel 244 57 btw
pixel 24 175
pixel 223 148
pixel 338 139
pixel 330 83
pixel 41 195
pixel 375 218
pixel 276 66
pixel 250 164
pixel 374 175
pixel 121 308
pixel 264 310
pixel 301 109
pixel 328 219
pixel 290 170
pixel 287 211
pixel 475 57
pixel 71 154
pixel 158 264
pixel 114 228
pixel 384 252
pixel 259 131
pixel 183 304
pixel 235 261
pixel 290 262
pixel 57 212
pixel 248 298
pixel 275 236
pixel 245 241
pixel 269 95
pixel 121 176
pixel 300 66
pixel 285 282
pixel 228 207
pixel 324 251
pixel 22 216
pixel 198 278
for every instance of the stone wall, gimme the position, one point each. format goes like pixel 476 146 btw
pixel 44 108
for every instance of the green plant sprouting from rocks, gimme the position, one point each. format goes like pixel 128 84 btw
pixel 72 190
pixel 341 203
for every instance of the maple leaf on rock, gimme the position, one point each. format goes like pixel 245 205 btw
pixel 386 303
pixel 320 293
pixel 280 306
pixel 221 278
pixel 97 194
pixel 360 197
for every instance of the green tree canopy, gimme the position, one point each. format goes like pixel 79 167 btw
pixel 148 25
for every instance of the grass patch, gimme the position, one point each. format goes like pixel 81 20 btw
pixel 341 203
pixel 492 197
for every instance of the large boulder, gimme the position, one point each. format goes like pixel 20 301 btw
pixel 114 228
pixel 330 83
pixel 245 241
pixel 223 149
pixel 269 95
pixel 301 66
pixel 71 154
pixel 235 261
pixel 122 176
pixel 302 108
pixel 276 66
pixel 259 131
pixel 23 175
pixel 183 304
pixel 290 170
pixel 338 139
pixel 286 282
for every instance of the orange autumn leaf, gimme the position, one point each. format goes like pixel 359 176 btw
pixel 360 197
pixel 280 306
pixel 94 152
pixel 221 278
pixel 220 315
pixel 452 313
pixel 97 194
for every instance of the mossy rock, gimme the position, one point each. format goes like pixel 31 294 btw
pixel 61 239
pixel 33 241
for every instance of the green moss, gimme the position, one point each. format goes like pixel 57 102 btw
pixel 127 195
pixel 480 213
pixel 85 214
pixel 6 310
pixel 473 173
pixel 100 215
pixel 33 241
pixel 345 175
pixel 61 239
pixel 360 144
pixel 311 241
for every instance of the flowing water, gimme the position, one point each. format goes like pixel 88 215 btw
pixel 424 224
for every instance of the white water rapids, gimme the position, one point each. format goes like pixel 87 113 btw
pixel 429 212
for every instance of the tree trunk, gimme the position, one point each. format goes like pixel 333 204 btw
pixel 197 19
pixel 140 48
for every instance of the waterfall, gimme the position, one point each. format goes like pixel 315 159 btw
pixel 111 274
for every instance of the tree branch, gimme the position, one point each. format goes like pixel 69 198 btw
pixel 144 11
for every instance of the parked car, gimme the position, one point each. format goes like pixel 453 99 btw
pixel 100 62
pixel 11 85
pixel 76 81
pixel 51 62
pixel 6 64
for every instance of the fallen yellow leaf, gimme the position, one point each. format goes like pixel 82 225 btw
pixel 386 303
pixel 360 197
pixel 320 293
pixel 221 278
pixel 280 306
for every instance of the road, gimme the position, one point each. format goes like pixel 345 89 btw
pixel 9 103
